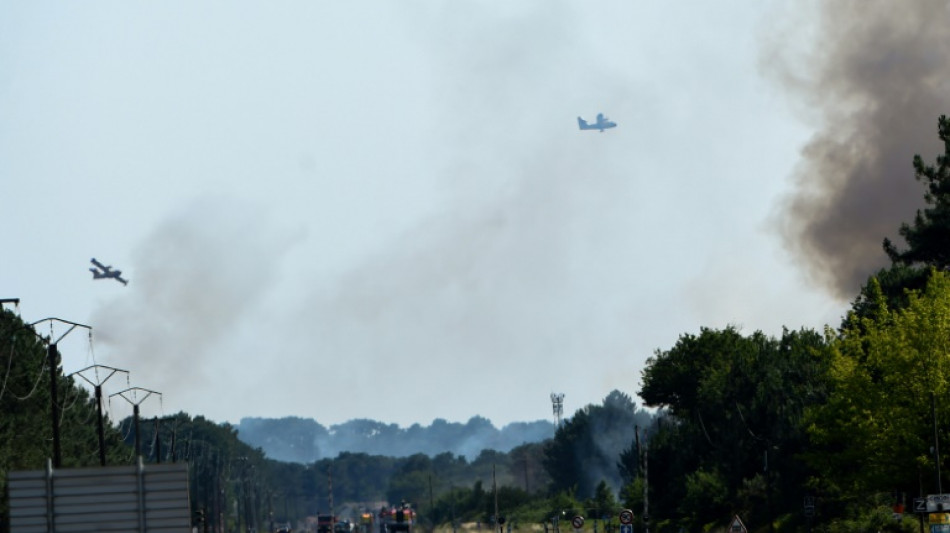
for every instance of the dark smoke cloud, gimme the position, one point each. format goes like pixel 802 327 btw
pixel 874 76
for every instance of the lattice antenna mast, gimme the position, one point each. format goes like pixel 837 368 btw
pixel 557 401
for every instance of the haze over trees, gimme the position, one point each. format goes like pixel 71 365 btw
pixel 305 440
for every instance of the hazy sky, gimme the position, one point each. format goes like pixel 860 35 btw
pixel 384 209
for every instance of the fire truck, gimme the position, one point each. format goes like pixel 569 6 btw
pixel 396 518
pixel 325 523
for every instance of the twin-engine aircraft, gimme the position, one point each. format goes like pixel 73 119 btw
pixel 601 124
pixel 102 271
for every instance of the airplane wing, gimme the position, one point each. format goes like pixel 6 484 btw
pixel 100 265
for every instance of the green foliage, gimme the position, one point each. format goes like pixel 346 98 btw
pixel 707 498
pixel 885 369
pixel 631 495
pixel 604 502
pixel 527 467
pixel 413 480
pixel 731 401
pixel 890 284
pixel 586 448
pixel 564 505
pixel 878 518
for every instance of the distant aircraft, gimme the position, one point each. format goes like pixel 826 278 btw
pixel 601 124
pixel 102 271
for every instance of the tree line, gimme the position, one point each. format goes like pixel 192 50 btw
pixel 303 440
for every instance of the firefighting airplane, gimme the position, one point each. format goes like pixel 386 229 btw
pixel 601 124
pixel 102 271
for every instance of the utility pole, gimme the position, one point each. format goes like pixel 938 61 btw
pixel 494 488
pixel 158 442
pixel 98 387
pixel 135 410
pixel 933 415
pixel 158 438
pixel 527 487
pixel 52 354
pixel 431 498
pixel 330 495
pixel 646 501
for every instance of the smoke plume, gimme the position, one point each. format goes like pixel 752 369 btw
pixel 874 76
pixel 193 283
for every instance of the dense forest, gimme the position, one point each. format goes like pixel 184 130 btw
pixel 302 440
pixel 826 431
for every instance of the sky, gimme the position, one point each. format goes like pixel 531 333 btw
pixel 385 209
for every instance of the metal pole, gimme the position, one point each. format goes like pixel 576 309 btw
pixel 53 362
pixel 933 414
pixel 102 434
pixel 494 489
pixel 768 491
pixel 174 433
pixel 97 385
pixel 135 422
pixel 135 411
pixel 158 442
pixel 431 498
pixel 646 501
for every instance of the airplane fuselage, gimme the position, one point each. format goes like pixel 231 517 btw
pixel 601 124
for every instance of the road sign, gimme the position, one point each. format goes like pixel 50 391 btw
pixel 626 528
pixel 577 522
pixel 626 516
pixel 809 506
pixel 737 526
pixel 937 503
pixel 920 505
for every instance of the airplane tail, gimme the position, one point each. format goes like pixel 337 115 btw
pixel 581 123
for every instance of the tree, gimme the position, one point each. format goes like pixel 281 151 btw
pixel 604 503
pixel 734 403
pixel 586 448
pixel 526 467
pixel 707 498
pixel 874 432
